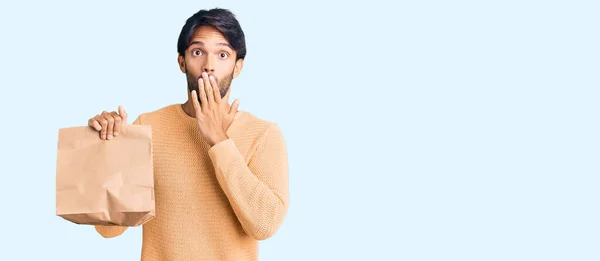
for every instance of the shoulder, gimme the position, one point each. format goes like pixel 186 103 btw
pixel 253 123
pixel 152 116
pixel 261 129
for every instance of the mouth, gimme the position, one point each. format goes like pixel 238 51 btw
pixel 214 76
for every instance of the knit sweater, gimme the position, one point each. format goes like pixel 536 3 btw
pixel 212 203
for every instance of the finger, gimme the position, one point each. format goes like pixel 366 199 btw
pixel 111 124
pixel 216 91
pixel 92 122
pixel 209 91
pixel 123 114
pixel 202 92
pixel 234 107
pixel 103 125
pixel 118 120
pixel 195 102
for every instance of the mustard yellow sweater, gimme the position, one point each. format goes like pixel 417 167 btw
pixel 212 203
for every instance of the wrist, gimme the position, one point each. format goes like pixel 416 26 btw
pixel 218 139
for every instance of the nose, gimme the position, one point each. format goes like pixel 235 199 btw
pixel 209 65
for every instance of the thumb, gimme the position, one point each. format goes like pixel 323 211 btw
pixel 234 106
pixel 123 114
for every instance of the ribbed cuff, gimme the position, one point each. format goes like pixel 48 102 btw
pixel 223 153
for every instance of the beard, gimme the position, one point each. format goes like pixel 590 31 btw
pixel 223 84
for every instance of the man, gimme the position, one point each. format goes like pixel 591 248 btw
pixel 221 174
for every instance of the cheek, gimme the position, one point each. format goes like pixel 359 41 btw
pixel 194 62
pixel 226 68
pixel 194 67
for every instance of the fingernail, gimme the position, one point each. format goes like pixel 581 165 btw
pixel 116 134
pixel 109 136
pixel 103 137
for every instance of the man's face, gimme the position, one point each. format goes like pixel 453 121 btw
pixel 209 52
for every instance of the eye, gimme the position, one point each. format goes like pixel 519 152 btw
pixel 224 55
pixel 196 52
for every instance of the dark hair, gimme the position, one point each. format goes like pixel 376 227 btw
pixel 223 20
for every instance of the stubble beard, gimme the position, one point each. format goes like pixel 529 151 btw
pixel 223 84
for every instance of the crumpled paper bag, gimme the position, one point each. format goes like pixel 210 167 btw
pixel 105 182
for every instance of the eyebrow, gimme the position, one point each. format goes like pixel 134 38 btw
pixel 219 44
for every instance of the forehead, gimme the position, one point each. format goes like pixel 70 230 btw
pixel 208 34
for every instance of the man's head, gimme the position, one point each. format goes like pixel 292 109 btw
pixel 211 41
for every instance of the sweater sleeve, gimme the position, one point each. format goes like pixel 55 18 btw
pixel 114 231
pixel 257 191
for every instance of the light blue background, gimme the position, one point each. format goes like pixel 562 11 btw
pixel 420 130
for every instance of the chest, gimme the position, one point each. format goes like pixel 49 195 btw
pixel 181 160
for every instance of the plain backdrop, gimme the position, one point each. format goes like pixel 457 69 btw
pixel 416 130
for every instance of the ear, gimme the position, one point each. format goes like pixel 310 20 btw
pixel 181 63
pixel 238 67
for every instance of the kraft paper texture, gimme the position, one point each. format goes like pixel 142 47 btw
pixel 105 182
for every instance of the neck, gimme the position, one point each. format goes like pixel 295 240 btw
pixel 188 106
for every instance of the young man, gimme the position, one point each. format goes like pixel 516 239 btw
pixel 221 174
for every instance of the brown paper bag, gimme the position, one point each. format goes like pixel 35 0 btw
pixel 105 182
